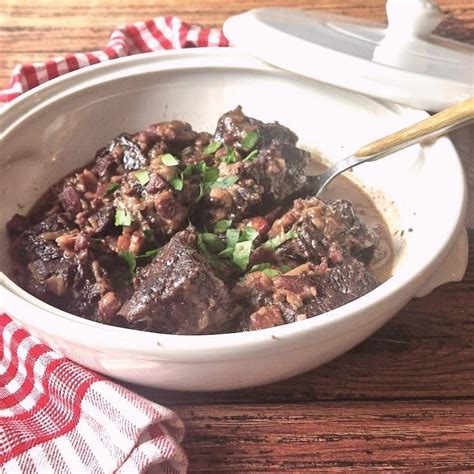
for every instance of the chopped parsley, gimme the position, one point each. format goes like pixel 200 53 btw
pixel 213 242
pixel 122 217
pixel 251 156
pixel 169 160
pixel 211 148
pixel 241 254
pixel 113 187
pixel 280 239
pixel 177 183
pixel 250 140
pixel 235 249
pixel 230 156
pixel 149 253
pixel 224 181
pixel 260 267
pixel 232 236
pixel 210 257
pixel 142 177
pixel 187 172
pixel 221 226
pixel 271 272
pixel 130 261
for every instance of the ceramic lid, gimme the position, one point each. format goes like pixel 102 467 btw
pixel 403 62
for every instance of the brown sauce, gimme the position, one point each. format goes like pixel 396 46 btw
pixel 342 187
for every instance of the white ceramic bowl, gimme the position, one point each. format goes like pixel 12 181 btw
pixel 58 127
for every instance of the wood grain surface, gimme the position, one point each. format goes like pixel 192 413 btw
pixel 33 30
pixel 402 400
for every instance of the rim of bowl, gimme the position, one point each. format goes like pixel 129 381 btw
pixel 186 346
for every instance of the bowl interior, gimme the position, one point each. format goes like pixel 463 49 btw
pixel 59 127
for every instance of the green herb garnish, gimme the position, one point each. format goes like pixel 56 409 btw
pixel 177 183
pixel 130 261
pixel 230 157
pixel 221 226
pixel 249 233
pixel 149 253
pixel 280 239
pixel 209 175
pixel 142 177
pixel 236 248
pixel 210 257
pixel 169 160
pixel 211 148
pixel 122 217
pixel 232 236
pixel 285 268
pixel 224 181
pixel 241 254
pixel 250 140
pixel 187 172
pixel 212 241
pixel 251 156
pixel 112 188
pixel 260 267
pixel 267 269
pixel 271 272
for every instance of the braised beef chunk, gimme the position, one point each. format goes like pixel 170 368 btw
pixel 37 242
pixel 295 297
pixel 323 232
pixel 179 293
pixel 280 169
pixel 130 153
pixel 256 172
pixel 183 232
pixel 234 126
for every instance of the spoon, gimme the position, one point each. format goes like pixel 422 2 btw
pixel 438 124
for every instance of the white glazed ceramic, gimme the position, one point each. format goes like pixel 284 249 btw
pixel 58 127
pixel 403 62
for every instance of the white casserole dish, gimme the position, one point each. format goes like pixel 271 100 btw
pixel 57 127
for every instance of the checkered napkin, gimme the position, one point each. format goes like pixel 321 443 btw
pixel 54 415
pixel 166 32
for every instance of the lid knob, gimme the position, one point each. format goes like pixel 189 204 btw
pixel 411 18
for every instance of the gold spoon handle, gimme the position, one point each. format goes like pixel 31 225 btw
pixel 447 118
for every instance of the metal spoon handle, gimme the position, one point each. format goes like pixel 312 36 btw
pixel 436 125
pixel 433 126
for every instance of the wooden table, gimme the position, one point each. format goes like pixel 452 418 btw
pixel 403 399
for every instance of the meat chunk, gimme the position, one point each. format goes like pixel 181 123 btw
pixel 341 285
pixel 271 173
pixel 38 241
pixel 174 132
pixel 294 297
pixel 128 152
pixel 70 200
pixel 323 231
pixel 280 169
pixel 234 126
pixel 178 293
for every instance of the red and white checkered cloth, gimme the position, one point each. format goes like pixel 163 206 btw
pixel 56 416
pixel 166 32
